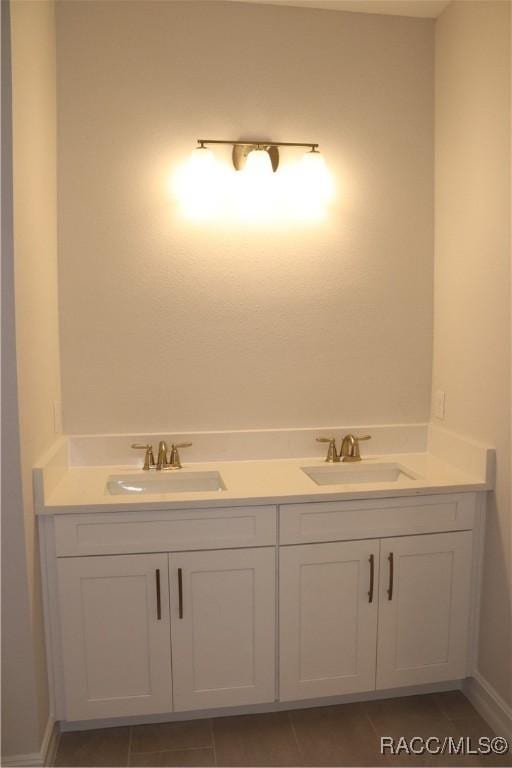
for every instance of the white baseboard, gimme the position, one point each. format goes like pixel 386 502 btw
pixel 33 758
pixel 50 743
pixel 46 754
pixel 489 704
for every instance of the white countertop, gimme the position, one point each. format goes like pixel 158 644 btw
pixel 276 481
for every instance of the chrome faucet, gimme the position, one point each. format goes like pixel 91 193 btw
pixel 349 450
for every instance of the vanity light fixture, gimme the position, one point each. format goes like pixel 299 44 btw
pixel 243 151
pixel 208 189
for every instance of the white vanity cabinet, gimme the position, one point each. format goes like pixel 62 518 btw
pixel 374 613
pixel 116 654
pixel 120 617
pixel 169 611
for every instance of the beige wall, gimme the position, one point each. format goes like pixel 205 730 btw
pixel 168 325
pixel 37 347
pixel 472 277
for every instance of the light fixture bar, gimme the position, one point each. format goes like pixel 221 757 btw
pixel 255 143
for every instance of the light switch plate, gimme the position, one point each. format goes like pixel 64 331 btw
pixel 439 404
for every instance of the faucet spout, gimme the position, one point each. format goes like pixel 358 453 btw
pixel 350 447
pixel 161 461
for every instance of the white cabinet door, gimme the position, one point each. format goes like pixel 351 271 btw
pixel 328 618
pixel 424 608
pixel 223 627
pixel 115 635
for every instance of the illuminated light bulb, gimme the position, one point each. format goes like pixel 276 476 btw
pixel 315 175
pixel 256 191
pixel 309 188
pixel 202 161
pixel 258 164
pixel 200 185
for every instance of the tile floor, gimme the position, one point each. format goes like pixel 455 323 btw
pixel 344 735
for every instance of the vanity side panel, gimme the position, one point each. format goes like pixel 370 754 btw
pixel 51 617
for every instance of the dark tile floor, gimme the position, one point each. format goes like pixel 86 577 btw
pixel 344 735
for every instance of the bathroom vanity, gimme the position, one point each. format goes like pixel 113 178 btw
pixel 296 591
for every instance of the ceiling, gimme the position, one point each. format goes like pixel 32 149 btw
pixel 420 8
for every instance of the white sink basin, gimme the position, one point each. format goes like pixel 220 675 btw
pixel 342 474
pixel 164 482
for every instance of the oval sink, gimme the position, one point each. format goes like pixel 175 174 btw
pixel 163 482
pixel 342 474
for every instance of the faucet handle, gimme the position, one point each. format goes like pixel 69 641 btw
pixel 149 459
pixel 174 459
pixel 357 440
pixel 332 455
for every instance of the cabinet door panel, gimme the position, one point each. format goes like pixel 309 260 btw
pixel 423 625
pixel 327 624
pixel 116 650
pixel 224 643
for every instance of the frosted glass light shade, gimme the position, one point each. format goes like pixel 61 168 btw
pixel 199 185
pixel 258 163
pixel 202 161
pixel 315 175
pixel 256 187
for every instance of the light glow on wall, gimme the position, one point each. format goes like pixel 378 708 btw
pixel 207 189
